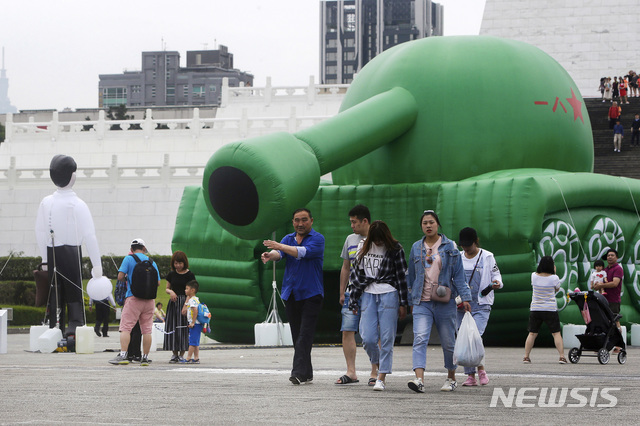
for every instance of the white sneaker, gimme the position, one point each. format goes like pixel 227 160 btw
pixel 416 385
pixel 449 386
pixel 379 386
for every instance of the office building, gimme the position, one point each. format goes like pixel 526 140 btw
pixel 352 32
pixel 163 82
pixel 5 103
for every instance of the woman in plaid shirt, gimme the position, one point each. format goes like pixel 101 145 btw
pixel 380 285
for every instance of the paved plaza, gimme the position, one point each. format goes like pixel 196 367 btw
pixel 242 384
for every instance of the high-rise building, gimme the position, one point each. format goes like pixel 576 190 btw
pixel 163 82
pixel 5 103
pixel 352 32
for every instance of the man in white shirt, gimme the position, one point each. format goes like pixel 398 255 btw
pixel 360 219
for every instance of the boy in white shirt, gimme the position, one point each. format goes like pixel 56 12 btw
pixel 195 327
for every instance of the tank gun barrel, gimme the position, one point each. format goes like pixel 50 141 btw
pixel 252 186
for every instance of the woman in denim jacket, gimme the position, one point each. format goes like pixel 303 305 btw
pixel 434 260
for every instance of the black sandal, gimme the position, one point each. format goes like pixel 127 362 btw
pixel 346 380
pixel 372 381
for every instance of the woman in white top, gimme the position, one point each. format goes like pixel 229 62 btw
pixel 379 279
pixel 545 285
pixel 607 89
pixel 483 276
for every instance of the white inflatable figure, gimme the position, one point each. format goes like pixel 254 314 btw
pixel 64 222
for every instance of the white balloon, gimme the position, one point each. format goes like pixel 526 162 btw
pixel 99 288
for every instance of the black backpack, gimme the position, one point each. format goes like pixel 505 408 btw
pixel 144 279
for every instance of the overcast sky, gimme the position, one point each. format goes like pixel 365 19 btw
pixel 55 50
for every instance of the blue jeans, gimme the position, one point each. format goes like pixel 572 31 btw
pixel 379 321
pixel 424 316
pixel 350 320
pixel 480 314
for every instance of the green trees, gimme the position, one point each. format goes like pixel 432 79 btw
pixel 120 113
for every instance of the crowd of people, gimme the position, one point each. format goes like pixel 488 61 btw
pixel 618 93
pixel 182 328
pixel 440 282
pixel 378 287
pixel 620 89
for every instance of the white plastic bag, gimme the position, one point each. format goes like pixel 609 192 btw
pixel 469 349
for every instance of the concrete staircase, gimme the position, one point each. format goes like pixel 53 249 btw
pixel 607 161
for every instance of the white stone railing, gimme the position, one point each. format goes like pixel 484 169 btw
pixel 102 128
pixel 269 94
pixel 111 176
pixel 264 96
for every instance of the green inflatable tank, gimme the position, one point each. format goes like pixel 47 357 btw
pixel 488 132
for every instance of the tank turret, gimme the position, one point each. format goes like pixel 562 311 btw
pixel 425 99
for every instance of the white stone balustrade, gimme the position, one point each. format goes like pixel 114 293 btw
pixel 112 176
pixel 314 97
pixel 147 128
pixel 269 93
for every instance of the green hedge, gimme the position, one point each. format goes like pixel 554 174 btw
pixel 19 268
pixel 26 315
pixel 29 315
pixel 18 293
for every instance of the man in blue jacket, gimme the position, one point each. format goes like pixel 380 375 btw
pixel 302 287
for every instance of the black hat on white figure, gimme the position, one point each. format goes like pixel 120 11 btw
pixel 61 169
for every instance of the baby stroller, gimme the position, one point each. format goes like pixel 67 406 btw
pixel 601 334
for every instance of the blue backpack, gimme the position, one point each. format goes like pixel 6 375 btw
pixel 204 316
pixel 121 292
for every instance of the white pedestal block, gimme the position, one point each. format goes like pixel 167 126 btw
pixel 157 335
pixel 569 331
pixel 85 340
pixel 635 335
pixel 4 315
pixel 266 334
pixel 34 333
pixel 48 341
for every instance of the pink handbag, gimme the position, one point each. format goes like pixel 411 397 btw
pixel 444 298
pixel 586 315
